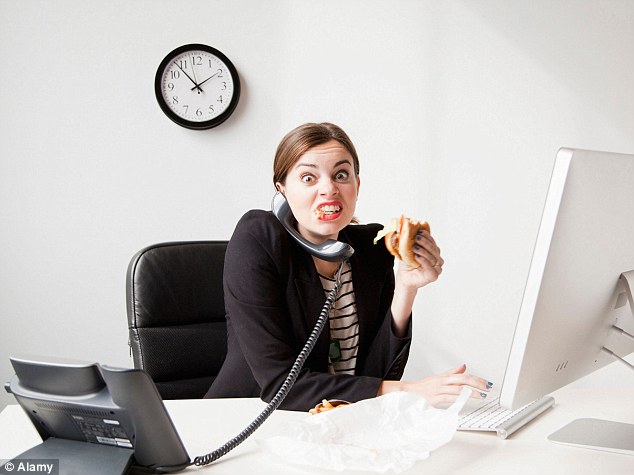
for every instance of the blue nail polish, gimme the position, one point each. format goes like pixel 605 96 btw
pixel 483 395
pixel 489 385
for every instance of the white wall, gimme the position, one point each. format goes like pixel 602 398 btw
pixel 457 109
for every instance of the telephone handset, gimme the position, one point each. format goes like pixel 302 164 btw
pixel 330 250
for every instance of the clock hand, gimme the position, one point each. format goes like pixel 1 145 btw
pixel 198 85
pixel 195 79
pixel 188 77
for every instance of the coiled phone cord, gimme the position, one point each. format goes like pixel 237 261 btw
pixel 286 385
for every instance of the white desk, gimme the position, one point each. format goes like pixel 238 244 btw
pixel 204 425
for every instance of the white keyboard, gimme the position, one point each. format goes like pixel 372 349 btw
pixel 490 416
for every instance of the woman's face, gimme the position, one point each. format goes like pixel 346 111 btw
pixel 322 190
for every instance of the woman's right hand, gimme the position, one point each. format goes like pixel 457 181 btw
pixel 443 388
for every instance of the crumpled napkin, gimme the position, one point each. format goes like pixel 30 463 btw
pixel 390 432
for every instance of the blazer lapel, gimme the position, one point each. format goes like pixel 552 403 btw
pixel 312 299
pixel 367 295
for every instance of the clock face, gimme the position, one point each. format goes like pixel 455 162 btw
pixel 197 86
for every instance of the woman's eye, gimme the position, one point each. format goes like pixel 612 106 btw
pixel 342 176
pixel 307 178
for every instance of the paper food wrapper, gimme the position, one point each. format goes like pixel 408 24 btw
pixel 390 432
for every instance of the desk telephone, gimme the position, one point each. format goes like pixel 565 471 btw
pixel 330 250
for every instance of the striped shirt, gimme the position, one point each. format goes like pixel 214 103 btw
pixel 344 324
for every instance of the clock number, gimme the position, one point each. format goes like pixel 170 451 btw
pixel 170 86
pixel 197 60
pixel 186 107
pixel 219 99
pixel 182 64
pixel 199 112
pixel 211 109
pixel 175 74
pixel 224 86
pixel 174 99
pixel 220 73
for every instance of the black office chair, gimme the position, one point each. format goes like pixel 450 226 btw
pixel 176 315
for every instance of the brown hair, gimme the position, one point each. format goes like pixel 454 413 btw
pixel 301 139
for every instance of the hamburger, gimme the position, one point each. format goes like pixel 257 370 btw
pixel 327 405
pixel 400 237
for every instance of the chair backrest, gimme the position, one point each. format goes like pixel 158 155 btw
pixel 176 315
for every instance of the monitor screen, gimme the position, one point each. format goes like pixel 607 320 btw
pixel 574 293
pixel 84 411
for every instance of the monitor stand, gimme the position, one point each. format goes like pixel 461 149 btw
pixel 81 457
pixel 599 434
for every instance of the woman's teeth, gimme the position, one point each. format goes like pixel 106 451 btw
pixel 326 210
pixel 330 209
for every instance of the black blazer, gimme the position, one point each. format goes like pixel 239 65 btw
pixel 273 297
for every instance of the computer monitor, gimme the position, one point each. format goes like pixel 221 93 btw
pixel 576 311
pixel 96 419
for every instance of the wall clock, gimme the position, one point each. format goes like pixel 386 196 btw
pixel 197 86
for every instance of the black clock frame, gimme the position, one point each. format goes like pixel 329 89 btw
pixel 208 124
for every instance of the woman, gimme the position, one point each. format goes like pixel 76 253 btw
pixel 274 290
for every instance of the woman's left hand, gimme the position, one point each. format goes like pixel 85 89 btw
pixel 427 254
pixel 409 280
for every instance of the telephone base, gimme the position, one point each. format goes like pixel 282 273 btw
pixel 75 457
